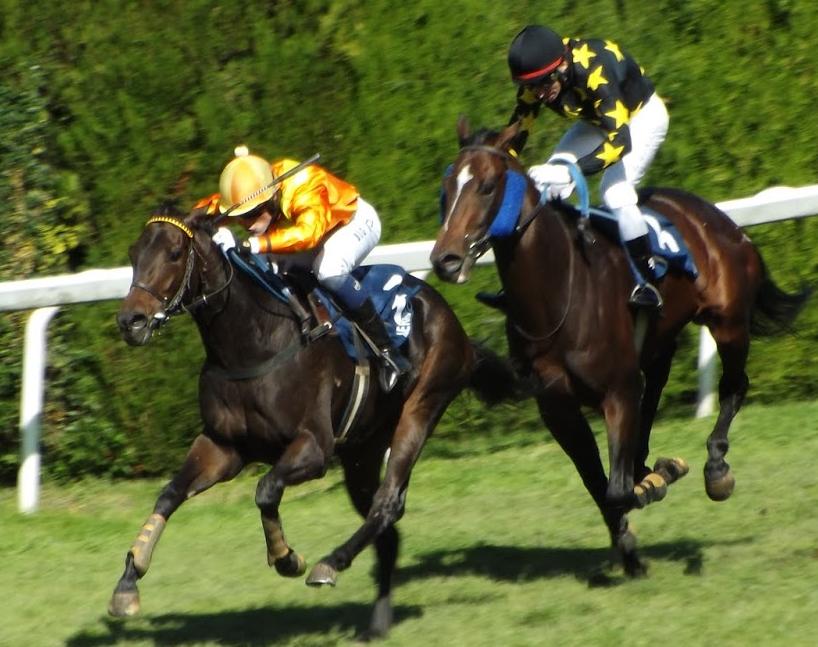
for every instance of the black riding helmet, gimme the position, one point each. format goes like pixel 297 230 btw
pixel 534 53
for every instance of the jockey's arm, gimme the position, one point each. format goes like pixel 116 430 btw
pixel 613 118
pixel 302 227
pixel 526 111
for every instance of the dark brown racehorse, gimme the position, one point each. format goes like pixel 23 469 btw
pixel 266 396
pixel 568 322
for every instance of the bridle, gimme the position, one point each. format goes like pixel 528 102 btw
pixel 173 305
pixel 479 246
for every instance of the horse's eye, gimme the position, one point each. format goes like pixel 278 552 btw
pixel 174 255
pixel 488 187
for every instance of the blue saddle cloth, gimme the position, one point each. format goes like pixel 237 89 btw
pixel 665 240
pixel 392 298
pixel 386 285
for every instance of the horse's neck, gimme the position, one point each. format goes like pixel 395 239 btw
pixel 545 246
pixel 541 261
pixel 243 322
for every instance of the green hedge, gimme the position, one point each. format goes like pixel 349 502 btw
pixel 110 107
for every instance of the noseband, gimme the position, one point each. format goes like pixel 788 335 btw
pixel 173 305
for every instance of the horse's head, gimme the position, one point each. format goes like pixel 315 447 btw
pixel 163 260
pixel 473 191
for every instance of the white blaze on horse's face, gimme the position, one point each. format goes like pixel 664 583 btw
pixel 463 178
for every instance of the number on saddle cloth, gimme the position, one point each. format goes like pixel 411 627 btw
pixel 665 240
pixel 392 298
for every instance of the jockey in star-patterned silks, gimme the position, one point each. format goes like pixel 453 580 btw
pixel 621 123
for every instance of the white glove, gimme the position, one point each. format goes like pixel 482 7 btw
pixel 559 191
pixel 552 180
pixel 225 239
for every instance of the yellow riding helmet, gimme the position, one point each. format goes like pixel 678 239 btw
pixel 245 183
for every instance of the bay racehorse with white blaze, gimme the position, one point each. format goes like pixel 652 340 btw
pixel 569 324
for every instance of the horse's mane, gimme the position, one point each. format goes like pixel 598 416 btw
pixel 481 136
pixel 169 208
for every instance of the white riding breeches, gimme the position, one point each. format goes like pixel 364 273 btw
pixel 344 248
pixel 648 129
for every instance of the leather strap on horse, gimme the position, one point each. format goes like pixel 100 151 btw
pixel 360 388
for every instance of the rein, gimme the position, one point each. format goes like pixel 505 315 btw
pixel 479 246
pixel 173 305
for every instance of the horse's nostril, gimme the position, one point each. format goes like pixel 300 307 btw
pixel 449 263
pixel 131 320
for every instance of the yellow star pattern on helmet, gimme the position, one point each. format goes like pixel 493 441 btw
pixel 619 114
pixel 583 56
pixel 596 78
pixel 610 153
pixel 614 49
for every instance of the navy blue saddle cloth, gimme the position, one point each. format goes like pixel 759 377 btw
pixel 386 285
pixel 392 298
pixel 665 240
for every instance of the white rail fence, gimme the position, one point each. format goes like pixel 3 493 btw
pixel 47 294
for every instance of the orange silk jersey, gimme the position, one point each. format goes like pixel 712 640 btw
pixel 313 202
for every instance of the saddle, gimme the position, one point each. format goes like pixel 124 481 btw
pixel 318 312
pixel 668 248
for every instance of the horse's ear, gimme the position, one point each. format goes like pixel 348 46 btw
pixel 508 135
pixel 463 130
pixel 199 218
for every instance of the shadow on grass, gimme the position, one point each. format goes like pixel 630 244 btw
pixel 263 626
pixel 514 563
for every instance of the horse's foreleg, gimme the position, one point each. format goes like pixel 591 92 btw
pixel 670 469
pixel 656 376
pixel 303 460
pixel 570 429
pixel 206 464
pixel 733 344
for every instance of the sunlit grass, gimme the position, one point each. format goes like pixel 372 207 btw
pixel 499 548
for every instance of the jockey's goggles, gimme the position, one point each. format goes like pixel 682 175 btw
pixel 543 82
pixel 256 211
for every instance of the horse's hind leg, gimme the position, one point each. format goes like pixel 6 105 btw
pixel 303 460
pixel 570 429
pixel 206 464
pixel 733 343
pixel 362 476
pixel 418 418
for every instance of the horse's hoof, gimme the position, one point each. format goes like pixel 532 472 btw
pixel 381 621
pixel 321 574
pixel 124 604
pixel 720 489
pixel 671 469
pixel 627 555
pixel 291 565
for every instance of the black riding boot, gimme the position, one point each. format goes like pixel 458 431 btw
pixel 394 364
pixel 497 301
pixel 645 294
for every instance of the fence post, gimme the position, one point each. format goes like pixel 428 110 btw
pixel 706 403
pixel 31 408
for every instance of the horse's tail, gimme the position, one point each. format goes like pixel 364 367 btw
pixel 494 379
pixel 774 310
